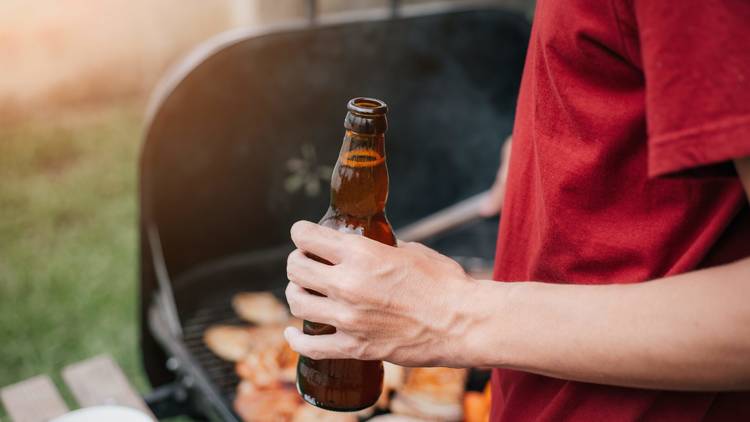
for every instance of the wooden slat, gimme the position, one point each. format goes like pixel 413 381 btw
pixel 33 400
pixel 100 381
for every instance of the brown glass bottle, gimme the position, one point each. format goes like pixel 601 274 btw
pixel 359 190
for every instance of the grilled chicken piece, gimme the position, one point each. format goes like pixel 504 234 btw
pixel 271 405
pixel 229 342
pixel 233 343
pixel 264 367
pixel 393 379
pixel 395 418
pixel 270 359
pixel 432 393
pixel 260 308
pixel 310 413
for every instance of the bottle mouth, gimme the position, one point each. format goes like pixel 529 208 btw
pixel 367 106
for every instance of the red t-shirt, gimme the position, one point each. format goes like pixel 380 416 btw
pixel 629 115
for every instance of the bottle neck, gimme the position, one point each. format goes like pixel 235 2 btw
pixel 359 185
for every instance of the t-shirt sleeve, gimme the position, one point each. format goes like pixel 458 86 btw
pixel 696 60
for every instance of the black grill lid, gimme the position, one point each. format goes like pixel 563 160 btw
pixel 229 162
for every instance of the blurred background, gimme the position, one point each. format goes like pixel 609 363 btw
pixel 75 77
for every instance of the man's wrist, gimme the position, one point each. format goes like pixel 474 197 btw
pixel 481 338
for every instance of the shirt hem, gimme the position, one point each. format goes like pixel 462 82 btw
pixel 722 141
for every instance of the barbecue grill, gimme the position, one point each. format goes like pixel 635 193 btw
pixel 237 144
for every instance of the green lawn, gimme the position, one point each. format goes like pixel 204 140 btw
pixel 68 242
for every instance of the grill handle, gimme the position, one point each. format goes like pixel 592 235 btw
pixel 312 10
pixel 446 219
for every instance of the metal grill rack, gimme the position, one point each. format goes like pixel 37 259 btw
pixel 219 371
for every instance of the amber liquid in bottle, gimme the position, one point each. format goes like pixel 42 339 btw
pixel 359 190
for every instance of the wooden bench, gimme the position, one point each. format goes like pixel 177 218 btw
pixel 93 382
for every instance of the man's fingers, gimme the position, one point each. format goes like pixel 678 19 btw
pixel 330 346
pixel 320 241
pixel 309 273
pixel 305 305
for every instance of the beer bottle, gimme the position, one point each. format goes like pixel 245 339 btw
pixel 359 189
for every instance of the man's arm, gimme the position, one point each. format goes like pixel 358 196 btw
pixel 494 201
pixel 687 332
pixel 415 307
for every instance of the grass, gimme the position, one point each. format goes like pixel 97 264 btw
pixel 68 268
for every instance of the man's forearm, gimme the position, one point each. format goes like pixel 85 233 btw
pixel 687 332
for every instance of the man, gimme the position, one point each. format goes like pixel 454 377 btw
pixel 625 232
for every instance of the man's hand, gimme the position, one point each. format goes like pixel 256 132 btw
pixel 405 305
pixel 494 202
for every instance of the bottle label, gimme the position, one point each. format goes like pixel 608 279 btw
pixel 362 158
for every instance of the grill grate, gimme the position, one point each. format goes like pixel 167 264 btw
pixel 221 372
pixel 212 310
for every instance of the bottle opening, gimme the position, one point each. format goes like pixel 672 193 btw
pixel 367 106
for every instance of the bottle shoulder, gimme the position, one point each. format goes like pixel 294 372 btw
pixel 374 227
